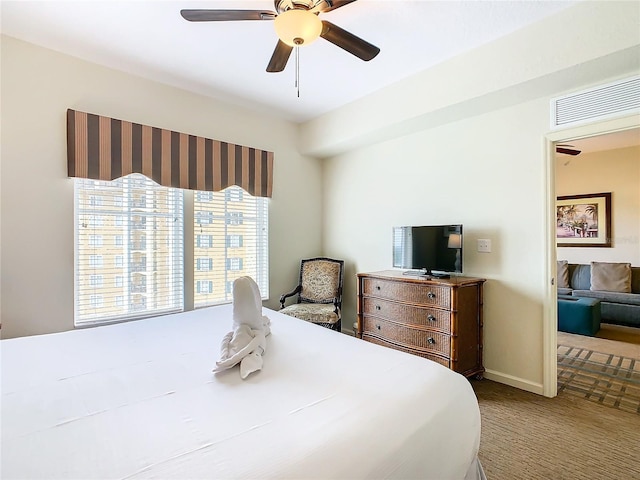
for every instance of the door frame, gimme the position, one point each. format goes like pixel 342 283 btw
pixel 550 312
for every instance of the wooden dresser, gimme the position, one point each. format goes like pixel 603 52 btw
pixel 440 319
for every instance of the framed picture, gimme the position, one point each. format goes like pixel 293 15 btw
pixel 584 220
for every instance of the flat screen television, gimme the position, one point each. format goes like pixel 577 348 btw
pixel 434 250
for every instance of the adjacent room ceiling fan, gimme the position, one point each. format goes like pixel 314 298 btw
pixel 296 23
pixel 567 149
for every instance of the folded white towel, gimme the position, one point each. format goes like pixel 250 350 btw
pixel 247 342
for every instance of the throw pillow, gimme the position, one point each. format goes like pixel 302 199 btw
pixel 563 274
pixel 611 277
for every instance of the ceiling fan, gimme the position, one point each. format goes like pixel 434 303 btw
pixel 296 23
pixel 567 149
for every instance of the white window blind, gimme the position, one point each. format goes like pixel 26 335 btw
pixel 142 271
pixel 235 215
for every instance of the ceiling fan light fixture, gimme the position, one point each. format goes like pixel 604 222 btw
pixel 298 27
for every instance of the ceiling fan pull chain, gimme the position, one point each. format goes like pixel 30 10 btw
pixel 298 70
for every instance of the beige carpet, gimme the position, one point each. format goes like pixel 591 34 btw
pixel 527 437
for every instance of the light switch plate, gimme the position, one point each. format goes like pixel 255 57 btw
pixel 484 245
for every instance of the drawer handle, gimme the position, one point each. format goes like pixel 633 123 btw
pixel 431 341
pixel 378 327
pixel 377 287
pixel 431 295
pixel 377 307
pixel 431 318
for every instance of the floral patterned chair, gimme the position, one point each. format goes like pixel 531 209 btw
pixel 319 293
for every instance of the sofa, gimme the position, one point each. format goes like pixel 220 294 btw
pixel 617 307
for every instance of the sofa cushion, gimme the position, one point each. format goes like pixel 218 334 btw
pixel 611 277
pixel 563 274
pixel 635 279
pixel 580 276
pixel 612 297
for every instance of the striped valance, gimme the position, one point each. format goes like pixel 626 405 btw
pixel 104 148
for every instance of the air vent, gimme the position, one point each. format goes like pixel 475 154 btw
pixel 603 102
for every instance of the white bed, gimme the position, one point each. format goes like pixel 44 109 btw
pixel 139 400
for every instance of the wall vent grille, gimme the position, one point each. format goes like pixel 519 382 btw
pixel 603 102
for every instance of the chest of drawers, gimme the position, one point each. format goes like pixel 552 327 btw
pixel 439 319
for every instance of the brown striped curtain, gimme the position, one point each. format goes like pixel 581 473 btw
pixel 104 148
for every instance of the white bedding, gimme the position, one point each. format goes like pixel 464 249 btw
pixel 139 400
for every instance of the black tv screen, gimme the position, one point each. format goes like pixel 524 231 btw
pixel 429 248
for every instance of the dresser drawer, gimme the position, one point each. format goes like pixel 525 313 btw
pixel 378 341
pixel 435 295
pixel 396 333
pixel 408 314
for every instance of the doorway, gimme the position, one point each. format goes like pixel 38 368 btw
pixel 580 137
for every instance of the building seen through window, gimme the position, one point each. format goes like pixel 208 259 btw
pixel 129 247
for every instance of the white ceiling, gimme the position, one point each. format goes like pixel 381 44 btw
pixel 228 59
pixel 609 141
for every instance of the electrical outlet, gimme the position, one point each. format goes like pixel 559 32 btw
pixel 484 245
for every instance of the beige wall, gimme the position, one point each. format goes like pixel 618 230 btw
pixel 485 172
pixel 37 87
pixel 616 171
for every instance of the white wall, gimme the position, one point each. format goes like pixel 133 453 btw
pixel 37 87
pixel 616 171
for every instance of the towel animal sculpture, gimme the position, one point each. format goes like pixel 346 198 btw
pixel 247 342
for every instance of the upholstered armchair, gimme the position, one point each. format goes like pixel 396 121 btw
pixel 319 293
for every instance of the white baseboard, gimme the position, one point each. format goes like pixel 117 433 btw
pixel 516 382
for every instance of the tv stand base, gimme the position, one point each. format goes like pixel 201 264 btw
pixel 426 273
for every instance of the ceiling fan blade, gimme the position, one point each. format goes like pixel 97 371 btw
pixel 567 151
pixel 226 15
pixel 279 58
pixel 348 41
pixel 328 5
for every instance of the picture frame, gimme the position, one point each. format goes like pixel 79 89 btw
pixel 584 220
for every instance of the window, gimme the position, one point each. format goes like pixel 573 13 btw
pixel 95 240
pixel 204 264
pixel 138 271
pixel 204 241
pixel 94 221
pixel 134 210
pixel 96 301
pixel 234 263
pixel 245 226
pixel 95 261
pixel 139 200
pixel 234 218
pixel 204 286
pixel 233 194
pixel 204 196
pixel 234 241
pixel 204 218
